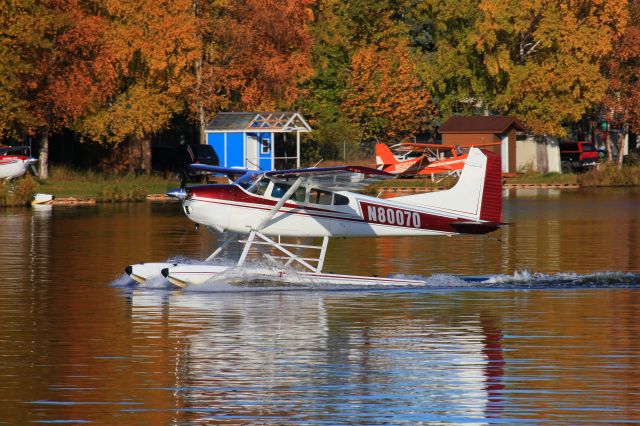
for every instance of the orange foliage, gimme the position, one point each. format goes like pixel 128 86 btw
pixel 154 45
pixel 71 70
pixel 264 48
pixel 384 95
pixel 623 97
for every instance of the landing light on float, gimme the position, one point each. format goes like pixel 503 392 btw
pixel 258 208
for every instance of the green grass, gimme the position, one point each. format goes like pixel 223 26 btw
pixel 65 182
pixel 544 178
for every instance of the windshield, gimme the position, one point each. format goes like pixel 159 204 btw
pixel 260 187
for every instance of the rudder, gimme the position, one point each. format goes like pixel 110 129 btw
pixel 384 156
pixel 476 196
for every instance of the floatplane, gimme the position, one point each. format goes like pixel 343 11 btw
pixel 422 159
pixel 13 162
pixel 259 208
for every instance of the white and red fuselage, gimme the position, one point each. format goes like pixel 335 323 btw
pixel 13 166
pixel 472 206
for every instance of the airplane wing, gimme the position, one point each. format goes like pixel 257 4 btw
pixel 427 145
pixel 233 171
pixel 340 178
pixel 240 176
pixel 7 149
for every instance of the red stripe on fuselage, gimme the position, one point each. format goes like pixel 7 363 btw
pixel 234 193
pixel 402 218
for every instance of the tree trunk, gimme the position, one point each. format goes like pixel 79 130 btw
pixel 44 153
pixel 607 146
pixel 145 148
pixel 623 140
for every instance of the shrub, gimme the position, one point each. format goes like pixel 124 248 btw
pixel 17 193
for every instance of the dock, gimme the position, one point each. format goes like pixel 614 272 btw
pixel 160 198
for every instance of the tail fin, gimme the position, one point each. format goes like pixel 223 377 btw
pixel 384 156
pixel 476 196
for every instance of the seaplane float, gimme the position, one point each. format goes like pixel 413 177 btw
pixel 257 209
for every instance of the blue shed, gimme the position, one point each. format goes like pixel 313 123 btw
pixel 257 140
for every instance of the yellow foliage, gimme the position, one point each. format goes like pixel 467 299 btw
pixel 384 94
pixel 538 59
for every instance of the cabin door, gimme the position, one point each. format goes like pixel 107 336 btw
pixel 251 159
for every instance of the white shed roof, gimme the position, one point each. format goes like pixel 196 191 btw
pixel 273 122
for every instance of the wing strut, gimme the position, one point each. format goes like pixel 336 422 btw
pixel 289 256
pixel 228 240
pixel 287 195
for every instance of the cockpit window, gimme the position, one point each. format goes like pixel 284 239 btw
pixel 319 196
pixel 340 200
pixel 279 189
pixel 261 187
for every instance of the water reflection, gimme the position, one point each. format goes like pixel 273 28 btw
pixel 308 357
pixel 75 349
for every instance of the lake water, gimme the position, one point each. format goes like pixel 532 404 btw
pixel 549 337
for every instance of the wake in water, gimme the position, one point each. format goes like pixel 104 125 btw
pixel 250 279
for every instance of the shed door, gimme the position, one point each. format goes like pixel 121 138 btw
pixel 252 152
pixel 505 154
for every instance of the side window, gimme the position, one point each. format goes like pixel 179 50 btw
pixel 340 200
pixel 264 146
pixel 319 196
pixel 279 189
pixel 299 194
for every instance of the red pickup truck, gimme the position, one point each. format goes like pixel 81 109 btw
pixel 577 156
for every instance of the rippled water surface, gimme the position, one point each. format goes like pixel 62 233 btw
pixel 548 334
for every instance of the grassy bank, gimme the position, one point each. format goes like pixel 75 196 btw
pixel 609 175
pixel 64 182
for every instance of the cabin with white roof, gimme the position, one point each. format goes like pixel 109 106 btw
pixel 257 140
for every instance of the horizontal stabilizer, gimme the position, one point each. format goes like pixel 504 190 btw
pixel 476 227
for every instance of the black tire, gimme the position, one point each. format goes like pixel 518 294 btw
pixel 566 167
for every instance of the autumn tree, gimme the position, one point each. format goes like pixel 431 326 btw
pixel 538 59
pixel 622 102
pixel 154 47
pixel 61 69
pixel 15 42
pixel 384 95
pixel 350 39
pixel 264 49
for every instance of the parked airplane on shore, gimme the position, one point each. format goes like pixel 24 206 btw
pixel 412 159
pixel 13 166
pixel 320 202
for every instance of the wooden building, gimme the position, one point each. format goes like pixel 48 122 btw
pixel 476 130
